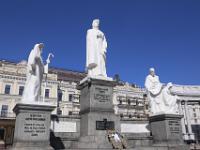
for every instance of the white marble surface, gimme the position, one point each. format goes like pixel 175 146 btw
pixel 63 126
pixel 88 78
pixel 96 47
pixel 188 90
pixel 34 77
pixel 160 96
pixel 35 70
pixel 134 128
pixel 39 103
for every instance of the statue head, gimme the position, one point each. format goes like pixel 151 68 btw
pixel 38 49
pixel 152 71
pixel 41 45
pixel 95 23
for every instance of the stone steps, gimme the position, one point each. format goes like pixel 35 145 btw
pixel 136 148
pixel 92 142
pixel 102 143
pixel 139 148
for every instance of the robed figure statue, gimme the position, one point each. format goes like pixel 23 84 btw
pixel 160 97
pixel 35 71
pixel 96 46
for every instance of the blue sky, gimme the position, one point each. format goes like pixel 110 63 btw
pixel 140 34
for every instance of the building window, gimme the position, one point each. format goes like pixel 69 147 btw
pixel 59 112
pixel 46 93
pixel 2 133
pixel 70 97
pixel 121 115
pixel 7 89
pixel 4 110
pixel 70 112
pixel 120 102
pixel 195 115
pixel 186 128
pixel 21 90
pixel 134 102
pixel 60 95
pixel 129 102
pixel 79 97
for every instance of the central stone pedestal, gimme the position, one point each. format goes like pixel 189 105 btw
pixel 167 131
pixel 97 113
pixel 32 127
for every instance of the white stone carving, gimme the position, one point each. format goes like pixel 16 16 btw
pixel 96 46
pixel 160 96
pixel 35 70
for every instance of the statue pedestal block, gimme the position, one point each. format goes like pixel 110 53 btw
pixel 97 113
pixel 32 126
pixel 167 131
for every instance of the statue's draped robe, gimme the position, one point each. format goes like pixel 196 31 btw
pixel 161 100
pixel 154 87
pixel 170 101
pixel 35 69
pixel 96 53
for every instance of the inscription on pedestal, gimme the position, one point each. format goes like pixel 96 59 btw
pixel 174 126
pixel 34 125
pixel 102 94
pixel 105 125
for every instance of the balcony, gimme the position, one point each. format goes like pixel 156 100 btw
pixel 133 116
pixel 132 102
pixel 130 106
pixel 7 115
pixel 121 99
pixel 74 98
pixel 74 114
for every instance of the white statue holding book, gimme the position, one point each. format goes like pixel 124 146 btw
pixel 96 46
pixel 160 97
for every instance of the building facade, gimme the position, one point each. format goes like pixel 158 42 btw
pixel 189 106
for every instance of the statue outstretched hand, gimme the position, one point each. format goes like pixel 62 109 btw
pixel 49 57
pixel 46 67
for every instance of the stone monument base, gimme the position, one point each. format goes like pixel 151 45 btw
pixel 167 131
pixel 97 113
pixel 32 127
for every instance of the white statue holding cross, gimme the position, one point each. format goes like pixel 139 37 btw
pixel 34 77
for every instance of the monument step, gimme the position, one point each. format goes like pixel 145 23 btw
pixel 138 148
pixel 94 147
pixel 93 138
pixel 92 142
pixel 91 145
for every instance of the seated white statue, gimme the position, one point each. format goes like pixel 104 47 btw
pixel 160 97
